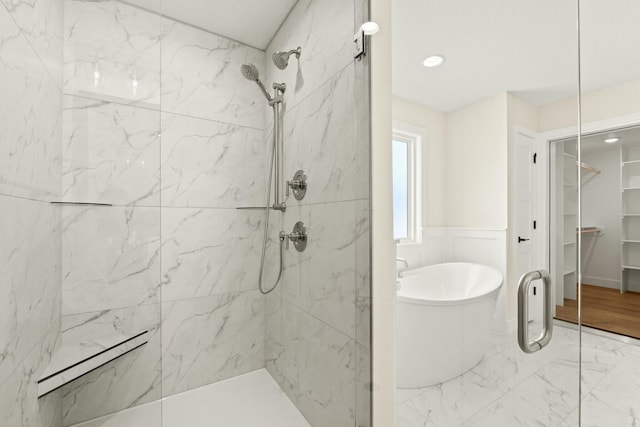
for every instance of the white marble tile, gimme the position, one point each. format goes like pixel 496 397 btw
pixel 314 364
pixel 128 381
pixel 503 372
pixel 18 393
pixel 29 278
pixel 364 393
pixel 201 76
pixel 545 399
pixel 208 339
pixel 209 251
pixel 252 399
pixel 30 119
pixel 363 273
pixel 41 22
pixel 319 137
pixel 110 153
pixel 326 357
pixel 74 363
pixel 620 388
pixel 110 257
pixel 447 404
pixel 212 164
pixel 111 50
pixel 599 414
pixel 325 286
pixel 324 30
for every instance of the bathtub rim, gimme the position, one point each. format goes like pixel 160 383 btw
pixel 459 301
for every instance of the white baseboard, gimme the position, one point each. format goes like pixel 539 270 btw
pixel 601 281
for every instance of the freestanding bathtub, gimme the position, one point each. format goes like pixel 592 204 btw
pixel 443 321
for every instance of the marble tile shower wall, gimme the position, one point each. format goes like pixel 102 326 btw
pixel 317 341
pixel 159 122
pixel 30 130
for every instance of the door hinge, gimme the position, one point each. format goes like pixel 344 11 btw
pixel 534 224
pixel 360 45
pixel 535 157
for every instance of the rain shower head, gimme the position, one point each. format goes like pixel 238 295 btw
pixel 250 72
pixel 281 59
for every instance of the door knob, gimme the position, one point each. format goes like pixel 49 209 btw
pixel 520 239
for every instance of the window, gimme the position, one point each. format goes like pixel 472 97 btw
pixel 406 159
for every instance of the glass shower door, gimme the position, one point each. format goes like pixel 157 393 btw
pixel 499 188
pixel 610 206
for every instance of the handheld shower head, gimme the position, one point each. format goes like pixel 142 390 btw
pixel 281 59
pixel 250 72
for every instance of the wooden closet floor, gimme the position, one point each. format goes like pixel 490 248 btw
pixel 606 309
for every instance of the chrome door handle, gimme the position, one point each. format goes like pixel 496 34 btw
pixel 523 312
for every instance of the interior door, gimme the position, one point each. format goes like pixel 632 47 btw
pixel 526 159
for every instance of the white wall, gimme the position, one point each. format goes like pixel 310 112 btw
pixel 614 101
pixel 476 165
pixel 601 207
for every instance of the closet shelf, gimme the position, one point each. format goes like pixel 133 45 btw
pixel 631 241
pixel 569 243
pixel 631 162
pixel 569 155
pixel 569 272
pixel 626 215
pixel 72 360
pixel 631 267
pixel 629 188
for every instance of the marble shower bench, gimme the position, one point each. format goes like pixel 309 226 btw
pixel 74 359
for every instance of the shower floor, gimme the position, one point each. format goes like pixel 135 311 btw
pixel 252 399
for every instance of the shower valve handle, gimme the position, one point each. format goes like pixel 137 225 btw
pixel 298 236
pixel 298 184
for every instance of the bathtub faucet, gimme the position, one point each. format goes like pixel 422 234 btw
pixel 406 266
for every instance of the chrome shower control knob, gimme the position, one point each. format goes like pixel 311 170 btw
pixel 299 236
pixel 298 185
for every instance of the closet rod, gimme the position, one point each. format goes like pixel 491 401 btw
pixel 588 167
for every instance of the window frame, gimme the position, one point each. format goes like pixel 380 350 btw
pixel 414 137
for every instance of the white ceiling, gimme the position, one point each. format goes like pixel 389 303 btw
pixel 253 22
pixel 528 47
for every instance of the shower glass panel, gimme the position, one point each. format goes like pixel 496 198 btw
pixel 500 189
pixel 610 205
pixel 134 172
pixel 111 206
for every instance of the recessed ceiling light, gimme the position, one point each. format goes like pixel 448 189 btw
pixel 611 140
pixel 433 61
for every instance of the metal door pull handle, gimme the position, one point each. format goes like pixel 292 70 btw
pixel 523 312
pixel 520 239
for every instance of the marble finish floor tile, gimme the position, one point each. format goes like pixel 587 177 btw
pixel 252 399
pixel 509 388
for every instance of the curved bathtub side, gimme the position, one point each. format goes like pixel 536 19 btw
pixel 436 343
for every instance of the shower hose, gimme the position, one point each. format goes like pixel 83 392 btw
pixel 266 229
